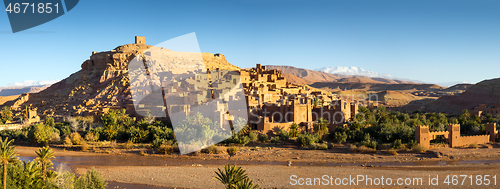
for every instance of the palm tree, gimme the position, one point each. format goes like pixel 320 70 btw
pixel 231 176
pixel 7 155
pixel 247 184
pixel 321 126
pixel 316 102
pixel 44 156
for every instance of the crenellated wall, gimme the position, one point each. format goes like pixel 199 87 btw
pixel 423 136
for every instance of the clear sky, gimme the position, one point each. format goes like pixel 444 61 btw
pixel 429 40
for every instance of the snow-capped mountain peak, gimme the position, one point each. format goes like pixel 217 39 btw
pixel 353 70
pixel 32 83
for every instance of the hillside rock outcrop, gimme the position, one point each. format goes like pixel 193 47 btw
pixel 100 85
pixel 484 92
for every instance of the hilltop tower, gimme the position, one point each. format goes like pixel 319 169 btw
pixel 140 40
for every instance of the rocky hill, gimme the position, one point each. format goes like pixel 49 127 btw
pixel 101 84
pixel 487 91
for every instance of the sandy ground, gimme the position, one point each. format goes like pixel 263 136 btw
pixel 281 176
pixel 267 166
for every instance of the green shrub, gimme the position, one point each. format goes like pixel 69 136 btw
pixel 158 142
pixel 294 130
pixel 237 139
pixel 283 135
pixel 397 144
pixel 91 179
pixel 253 136
pixel 91 137
pixel 40 133
pixel 63 127
pixel 318 146
pixel 341 137
pixel 137 135
pixel 210 150
pixel 307 139
pixel 129 144
pixel 412 144
pixel 263 138
pixel 275 140
pixel 17 134
pixel 160 133
pixel 232 150
pixel 244 140
pixel 6 114
pixel 370 144
pixel 165 149
pixel 49 121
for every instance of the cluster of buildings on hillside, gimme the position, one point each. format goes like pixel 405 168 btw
pixel 262 97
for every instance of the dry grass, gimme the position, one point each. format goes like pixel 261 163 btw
pixel 128 145
pixel 317 146
pixel 85 147
pixel 221 150
pixel 232 150
pixel 165 149
pixel 67 141
pixel 210 150
pixel 76 138
pixel 474 145
pixel 361 149
pixel 391 151
pixel 419 148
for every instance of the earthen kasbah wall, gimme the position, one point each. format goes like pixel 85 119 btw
pixel 478 139
pixel 423 136
pixel 274 103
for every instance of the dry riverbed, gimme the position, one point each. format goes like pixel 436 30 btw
pixel 267 165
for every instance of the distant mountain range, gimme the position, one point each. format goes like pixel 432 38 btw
pixel 358 71
pixel 29 83
pixel 28 86
pixel 353 71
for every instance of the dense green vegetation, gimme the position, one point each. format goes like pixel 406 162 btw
pixel 372 128
pixel 377 126
pixel 37 173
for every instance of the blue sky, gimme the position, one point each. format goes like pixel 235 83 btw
pixel 432 41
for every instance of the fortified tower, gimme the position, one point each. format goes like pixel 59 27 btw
pixel 491 129
pixel 422 135
pixel 454 135
pixel 140 40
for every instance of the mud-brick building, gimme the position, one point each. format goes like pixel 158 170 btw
pixel 275 104
pixel 453 137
